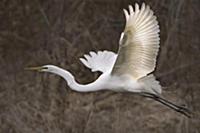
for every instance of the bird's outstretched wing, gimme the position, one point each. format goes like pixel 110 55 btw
pixel 101 61
pixel 139 43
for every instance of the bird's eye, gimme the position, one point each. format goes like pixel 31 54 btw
pixel 45 68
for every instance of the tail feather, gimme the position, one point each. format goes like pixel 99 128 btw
pixel 151 85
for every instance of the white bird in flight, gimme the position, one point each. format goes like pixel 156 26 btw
pixel 131 69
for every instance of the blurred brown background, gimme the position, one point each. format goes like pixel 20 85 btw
pixel 59 32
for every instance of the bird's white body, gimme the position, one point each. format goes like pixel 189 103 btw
pixel 106 81
pixel 130 69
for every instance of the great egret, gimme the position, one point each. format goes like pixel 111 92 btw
pixel 129 70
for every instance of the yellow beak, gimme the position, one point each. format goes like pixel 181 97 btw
pixel 40 68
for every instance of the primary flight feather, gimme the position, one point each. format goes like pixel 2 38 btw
pixel 130 69
pixel 139 44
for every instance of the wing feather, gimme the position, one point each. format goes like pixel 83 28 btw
pixel 139 44
pixel 101 61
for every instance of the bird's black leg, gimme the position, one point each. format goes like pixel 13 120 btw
pixel 181 109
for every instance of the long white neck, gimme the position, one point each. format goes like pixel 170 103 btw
pixel 94 86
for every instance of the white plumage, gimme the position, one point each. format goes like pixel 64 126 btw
pixel 101 61
pixel 130 69
pixel 140 43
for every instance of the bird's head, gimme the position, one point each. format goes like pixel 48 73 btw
pixel 45 68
